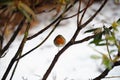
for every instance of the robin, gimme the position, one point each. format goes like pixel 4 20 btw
pixel 59 41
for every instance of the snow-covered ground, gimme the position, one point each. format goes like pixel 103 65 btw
pixel 74 64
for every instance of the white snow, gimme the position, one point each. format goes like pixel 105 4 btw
pixel 74 64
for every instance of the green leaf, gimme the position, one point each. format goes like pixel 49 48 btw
pixel 106 61
pixel 25 14
pixel 97 39
pixel 95 57
pixel 27 9
pixel 115 25
pixel 111 51
pixel 110 38
pixel 98 30
pixel 118 21
pixel 106 30
pixel 91 30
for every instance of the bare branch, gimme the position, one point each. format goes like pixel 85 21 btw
pixel 12 38
pixel 18 53
pixel 45 76
pixel 106 71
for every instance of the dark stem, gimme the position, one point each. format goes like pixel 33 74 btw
pixel 106 71
pixel 92 17
pixel 56 25
pixel 13 72
pixel 71 42
pixel 12 38
pixel 52 23
pixel 8 69
pixel 55 60
pixel 18 53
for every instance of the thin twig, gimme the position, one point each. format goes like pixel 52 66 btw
pixel 25 34
pixel 80 21
pixel 45 76
pixel 92 17
pixel 19 52
pixel 41 31
pixel 41 42
pixel 52 23
pixel 85 39
pixel 106 71
pixel 108 50
pixel 13 72
pixel 12 38
pixel 78 15
pixel 112 77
